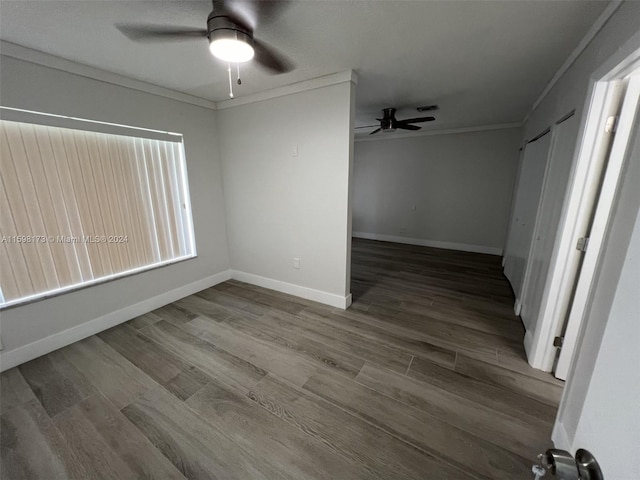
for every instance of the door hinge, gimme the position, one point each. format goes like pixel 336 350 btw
pixel 582 244
pixel 557 342
pixel 611 124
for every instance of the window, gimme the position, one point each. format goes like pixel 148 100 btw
pixel 79 206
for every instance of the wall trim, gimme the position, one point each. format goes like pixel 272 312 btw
pixel 19 52
pixel 303 86
pixel 320 296
pixel 425 133
pixel 604 17
pixel 464 247
pixel 25 353
pixel 559 437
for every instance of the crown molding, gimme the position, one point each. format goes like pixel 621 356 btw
pixel 19 52
pixel 604 17
pixel 426 133
pixel 305 85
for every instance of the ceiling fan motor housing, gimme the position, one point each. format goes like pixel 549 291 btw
pixel 223 27
pixel 388 120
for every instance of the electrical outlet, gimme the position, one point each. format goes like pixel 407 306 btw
pixel 296 263
pixel 413 207
pixel 294 151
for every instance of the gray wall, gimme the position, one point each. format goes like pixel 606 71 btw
pixel 34 87
pixel 460 185
pixel 281 206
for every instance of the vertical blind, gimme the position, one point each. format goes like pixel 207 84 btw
pixel 79 206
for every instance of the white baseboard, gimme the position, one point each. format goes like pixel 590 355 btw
pixel 517 307
pixel 327 298
pixel 17 356
pixel 559 437
pixel 464 247
pixel 528 344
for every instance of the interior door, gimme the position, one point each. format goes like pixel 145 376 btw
pixel 621 148
pixel 554 191
pixel 525 210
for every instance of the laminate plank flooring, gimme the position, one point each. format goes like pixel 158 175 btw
pixel 410 424
pixel 199 449
pixel 108 371
pixel 375 450
pixel 257 430
pixel 57 384
pixel 95 425
pixel 33 448
pixel 14 390
pixel 178 376
pixel 423 377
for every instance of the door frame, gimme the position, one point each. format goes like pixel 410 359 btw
pixel 591 150
pixel 601 222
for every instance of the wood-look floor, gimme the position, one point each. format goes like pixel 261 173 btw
pixel 423 377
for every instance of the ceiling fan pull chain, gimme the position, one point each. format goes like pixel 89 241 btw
pixel 238 67
pixel 230 82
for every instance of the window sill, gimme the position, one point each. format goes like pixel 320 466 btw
pixel 74 288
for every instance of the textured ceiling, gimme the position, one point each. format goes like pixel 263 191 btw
pixel 482 62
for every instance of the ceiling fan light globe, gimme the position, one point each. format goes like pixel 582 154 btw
pixel 231 50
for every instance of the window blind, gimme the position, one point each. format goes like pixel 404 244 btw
pixel 80 206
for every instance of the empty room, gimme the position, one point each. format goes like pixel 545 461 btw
pixel 309 239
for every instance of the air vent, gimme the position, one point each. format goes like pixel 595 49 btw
pixel 428 108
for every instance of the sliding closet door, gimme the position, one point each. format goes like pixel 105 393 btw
pixel 553 195
pixel 523 216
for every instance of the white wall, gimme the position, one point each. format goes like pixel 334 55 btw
pixel 460 184
pixel 599 410
pixel 281 206
pixel 35 87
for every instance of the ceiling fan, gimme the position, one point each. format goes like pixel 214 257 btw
pixel 229 30
pixel 389 122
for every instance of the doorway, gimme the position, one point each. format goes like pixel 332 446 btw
pixel 607 128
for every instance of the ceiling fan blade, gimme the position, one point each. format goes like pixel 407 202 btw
pixel 269 58
pixel 406 126
pixel 368 126
pixel 375 131
pixel 238 16
pixel 418 120
pixel 159 33
pixel 257 12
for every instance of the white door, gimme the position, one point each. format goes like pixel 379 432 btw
pixel 554 191
pixel 626 127
pixel 577 213
pixel 525 211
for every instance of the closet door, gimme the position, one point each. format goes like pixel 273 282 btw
pixel 525 210
pixel 553 195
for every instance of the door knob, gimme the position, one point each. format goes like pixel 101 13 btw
pixel 564 466
pixel 588 466
pixel 561 464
